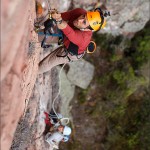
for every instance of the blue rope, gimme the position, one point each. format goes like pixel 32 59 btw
pixel 54 34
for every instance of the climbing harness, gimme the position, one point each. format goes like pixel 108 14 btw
pixel 67 54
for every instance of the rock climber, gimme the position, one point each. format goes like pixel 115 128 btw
pixel 77 26
pixel 57 132
pixel 60 135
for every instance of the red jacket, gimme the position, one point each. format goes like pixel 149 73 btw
pixel 73 36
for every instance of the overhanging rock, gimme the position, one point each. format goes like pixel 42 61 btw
pixel 81 73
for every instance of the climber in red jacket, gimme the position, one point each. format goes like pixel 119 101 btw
pixel 77 26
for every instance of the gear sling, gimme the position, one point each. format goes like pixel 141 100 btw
pixel 50 29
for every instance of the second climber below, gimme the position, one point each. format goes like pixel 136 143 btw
pixel 77 26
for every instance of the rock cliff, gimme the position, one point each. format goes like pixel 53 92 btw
pixel 24 95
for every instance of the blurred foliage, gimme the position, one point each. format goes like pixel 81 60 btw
pixel 125 98
pixel 129 118
pixel 130 124
pixel 139 50
pixel 113 46
pixel 82 96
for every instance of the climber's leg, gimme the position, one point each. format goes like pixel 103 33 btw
pixel 53 60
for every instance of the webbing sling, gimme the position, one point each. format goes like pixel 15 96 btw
pixel 49 25
pixel 68 52
pixel 66 55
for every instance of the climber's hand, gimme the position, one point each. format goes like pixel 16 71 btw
pixel 56 16
pixel 60 23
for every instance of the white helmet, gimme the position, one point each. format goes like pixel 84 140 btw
pixel 67 130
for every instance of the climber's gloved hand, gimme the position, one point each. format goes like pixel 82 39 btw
pixel 56 15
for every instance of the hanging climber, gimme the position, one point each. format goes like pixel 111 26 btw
pixel 77 26
pixel 57 132
pixel 60 135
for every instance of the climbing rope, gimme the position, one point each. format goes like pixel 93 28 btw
pixel 58 91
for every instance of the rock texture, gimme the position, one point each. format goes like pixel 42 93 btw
pixel 80 73
pixel 67 90
pixel 11 42
pixel 20 54
pixel 16 31
pixel 29 133
pixel 126 16
pixel 19 67
pixel 76 76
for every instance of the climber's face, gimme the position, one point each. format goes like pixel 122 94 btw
pixel 81 22
pixel 61 129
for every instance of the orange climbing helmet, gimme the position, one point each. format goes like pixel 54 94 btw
pixel 96 19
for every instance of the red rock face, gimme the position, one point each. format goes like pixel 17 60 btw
pixel 14 29
pixel 17 31
pixel 11 108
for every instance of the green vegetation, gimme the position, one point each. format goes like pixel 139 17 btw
pixel 82 96
pixel 129 117
pixel 139 50
pixel 122 94
pixel 130 124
